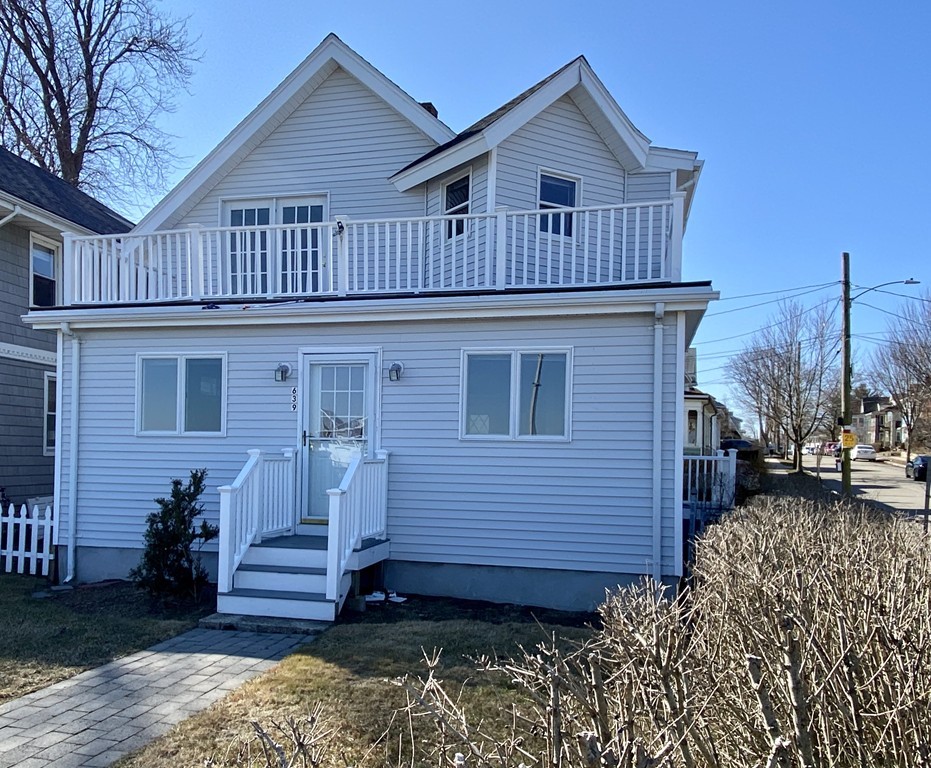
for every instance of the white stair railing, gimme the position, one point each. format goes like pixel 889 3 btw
pixel 259 502
pixel 358 510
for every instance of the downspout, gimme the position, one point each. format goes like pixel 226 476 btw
pixel 658 314
pixel 9 217
pixel 73 447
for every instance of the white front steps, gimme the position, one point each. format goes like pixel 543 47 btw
pixel 285 577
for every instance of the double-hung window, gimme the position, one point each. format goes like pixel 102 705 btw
pixel 182 394
pixel 50 413
pixel 456 195
pixel 517 395
pixel 43 260
pixel 557 192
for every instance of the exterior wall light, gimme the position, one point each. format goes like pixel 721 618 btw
pixel 282 372
pixel 395 371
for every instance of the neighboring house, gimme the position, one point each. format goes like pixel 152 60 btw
pixel 35 208
pixel 880 424
pixel 457 357
pixel 702 423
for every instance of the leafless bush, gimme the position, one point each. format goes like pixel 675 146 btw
pixel 805 641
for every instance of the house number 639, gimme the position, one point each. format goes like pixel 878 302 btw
pixel 293 398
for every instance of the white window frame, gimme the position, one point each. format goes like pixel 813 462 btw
pixel 451 225
pixel 577 180
pixel 36 239
pixel 49 384
pixel 180 358
pixel 274 203
pixel 514 395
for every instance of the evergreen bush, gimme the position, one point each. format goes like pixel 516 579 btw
pixel 171 567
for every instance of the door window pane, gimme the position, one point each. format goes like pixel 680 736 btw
pixel 159 395
pixel 203 395
pixel 542 394
pixel 341 401
pixel 488 394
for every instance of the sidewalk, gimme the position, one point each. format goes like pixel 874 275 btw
pixel 100 715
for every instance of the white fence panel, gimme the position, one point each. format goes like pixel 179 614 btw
pixel 26 539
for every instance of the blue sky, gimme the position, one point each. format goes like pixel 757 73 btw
pixel 812 118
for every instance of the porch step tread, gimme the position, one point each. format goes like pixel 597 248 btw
pixel 294 542
pixel 281 569
pixel 272 594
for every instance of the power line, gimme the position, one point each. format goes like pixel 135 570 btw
pixel 771 325
pixel 814 289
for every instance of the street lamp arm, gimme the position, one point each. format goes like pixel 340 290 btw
pixel 910 281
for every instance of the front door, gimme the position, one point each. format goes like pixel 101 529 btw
pixel 339 398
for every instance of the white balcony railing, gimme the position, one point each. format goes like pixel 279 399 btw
pixel 595 246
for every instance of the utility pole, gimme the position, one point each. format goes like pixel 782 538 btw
pixel 845 395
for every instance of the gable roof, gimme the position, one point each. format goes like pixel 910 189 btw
pixel 272 111
pixel 26 183
pixel 629 145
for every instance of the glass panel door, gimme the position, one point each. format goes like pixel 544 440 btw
pixel 339 426
pixel 303 261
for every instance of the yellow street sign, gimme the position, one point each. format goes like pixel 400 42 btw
pixel 848 440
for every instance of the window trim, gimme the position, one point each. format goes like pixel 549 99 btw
pixel 514 395
pixel 50 381
pixel 273 202
pixel 55 247
pixel 181 357
pixel 450 180
pixel 541 206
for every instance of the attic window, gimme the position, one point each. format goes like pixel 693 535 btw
pixel 557 192
pixel 456 202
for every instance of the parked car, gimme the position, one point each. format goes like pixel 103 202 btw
pixel 737 445
pixel 917 468
pixel 829 449
pixel 864 452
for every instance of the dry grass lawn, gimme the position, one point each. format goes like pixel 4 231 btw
pixel 351 671
pixel 46 640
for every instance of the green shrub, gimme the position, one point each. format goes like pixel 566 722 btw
pixel 171 567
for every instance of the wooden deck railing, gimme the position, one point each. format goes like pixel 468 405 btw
pixel 553 248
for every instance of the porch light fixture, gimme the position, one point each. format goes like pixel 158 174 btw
pixel 282 372
pixel 395 371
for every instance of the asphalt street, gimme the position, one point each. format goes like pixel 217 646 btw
pixel 879 481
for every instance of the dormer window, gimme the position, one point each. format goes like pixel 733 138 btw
pixel 557 192
pixel 456 202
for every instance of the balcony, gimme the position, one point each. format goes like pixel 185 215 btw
pixel 506 250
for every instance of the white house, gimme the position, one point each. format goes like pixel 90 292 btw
pixel 459 357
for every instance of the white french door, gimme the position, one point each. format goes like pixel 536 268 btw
pixel 288 232
pixel 339 398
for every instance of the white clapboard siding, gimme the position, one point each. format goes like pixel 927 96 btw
pixel 645 186
pixel 583 504
pixel 560 138
pixel 26 537
pixel 343 141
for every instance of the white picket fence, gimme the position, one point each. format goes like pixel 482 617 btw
pixel 26 539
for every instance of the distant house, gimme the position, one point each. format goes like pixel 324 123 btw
pixel 35 208
pixel 457 358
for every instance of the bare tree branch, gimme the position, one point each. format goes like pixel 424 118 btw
pixel 82 85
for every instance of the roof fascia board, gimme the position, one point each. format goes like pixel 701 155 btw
pixel 42 216
pixel 378 310
pixel 664 159
pixel 331 49
pixel 638 144
pixel 492 136
pixel 455 156
pixel 580 74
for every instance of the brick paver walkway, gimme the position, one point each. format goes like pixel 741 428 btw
pixel 100 715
